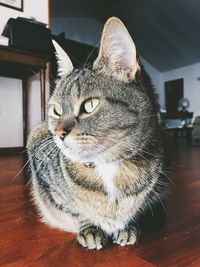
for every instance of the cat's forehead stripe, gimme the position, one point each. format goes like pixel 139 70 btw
pixel 75 87
pixel 71 86
pixel 78 85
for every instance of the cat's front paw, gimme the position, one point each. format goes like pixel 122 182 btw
pixel 127 236
pixel 93 237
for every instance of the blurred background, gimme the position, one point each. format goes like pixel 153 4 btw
pixel 166 34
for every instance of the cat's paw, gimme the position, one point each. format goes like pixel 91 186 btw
pixel 92 237
pixel 126 237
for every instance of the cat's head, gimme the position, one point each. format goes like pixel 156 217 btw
pixel 101 113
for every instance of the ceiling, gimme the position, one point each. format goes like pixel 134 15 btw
pixel 166 33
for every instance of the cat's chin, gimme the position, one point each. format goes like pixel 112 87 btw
pixel 77 155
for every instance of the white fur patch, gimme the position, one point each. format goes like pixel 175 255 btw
pixel 107 172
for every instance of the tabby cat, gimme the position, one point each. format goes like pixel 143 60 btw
pixel 97 163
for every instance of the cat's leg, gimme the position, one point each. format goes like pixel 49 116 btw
pixel 49 214
pixel 129 236
pixel 91 236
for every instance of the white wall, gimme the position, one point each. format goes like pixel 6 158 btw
pixel 10 113
pixel 190 74
pixel 191 84
pixel 155 76
pixel 11 129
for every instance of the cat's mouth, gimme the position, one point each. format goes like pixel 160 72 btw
pixel 80 151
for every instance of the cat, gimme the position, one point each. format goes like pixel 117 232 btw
pixel 97 163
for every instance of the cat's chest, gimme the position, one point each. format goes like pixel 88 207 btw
pixel 99 176
pixel 114 179
pixel 107 172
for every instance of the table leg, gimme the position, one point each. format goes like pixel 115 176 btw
pixel 42 93
pixel 25 110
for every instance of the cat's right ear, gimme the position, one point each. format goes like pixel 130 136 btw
pixel 65 66
pixel 117 55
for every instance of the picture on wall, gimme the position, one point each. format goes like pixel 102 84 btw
pixel 15 4
pixel 173 93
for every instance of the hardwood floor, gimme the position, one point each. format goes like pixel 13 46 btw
pixel 24 241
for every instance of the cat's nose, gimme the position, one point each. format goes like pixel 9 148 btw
pixel 69 127
pixel 61 134
pixel 65 128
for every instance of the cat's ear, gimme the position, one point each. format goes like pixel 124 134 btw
pixel 117 55
pixel 65 66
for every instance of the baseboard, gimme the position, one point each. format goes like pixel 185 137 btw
pixel 10 151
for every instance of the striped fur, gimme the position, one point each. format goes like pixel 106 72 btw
pixel 97 173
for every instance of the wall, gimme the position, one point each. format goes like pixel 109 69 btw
pixel 11 133
pixel 155 78
pixel 75 29
pixel 84 30
pixel 10 89
pixel 190 74
pixel 11 129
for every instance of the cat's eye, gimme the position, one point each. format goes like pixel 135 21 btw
pixel 91 104
pixel 56 110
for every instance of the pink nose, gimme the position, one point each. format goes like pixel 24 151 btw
pixel 61 134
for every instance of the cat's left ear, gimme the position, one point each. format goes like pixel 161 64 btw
pixel 65 66
pixel 117 55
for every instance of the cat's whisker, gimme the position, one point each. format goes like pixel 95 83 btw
pixel 136 148
pixel 55 147
pixel 160 200
pixel 120 142
pixel 48 142
pixel 32 156
pixel 15 177
pixel 150 154
pixel 51 150
pixel 152 213
pixel 43 80
pixel 27 184
pixel 43 142
pixel 23 151
pixel 93 49
pixel 168 178
pixel 40 148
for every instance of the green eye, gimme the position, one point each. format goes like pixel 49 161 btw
pixel 56 110
pixel 91 104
